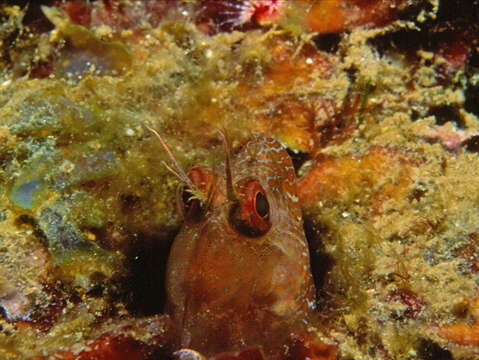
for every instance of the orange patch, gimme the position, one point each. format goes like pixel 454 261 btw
pixel 335 16
pixel 462 333
pixel 376 176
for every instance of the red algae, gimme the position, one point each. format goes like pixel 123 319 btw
pixel 412 302
pixel 105 348
pixel 286 116
pixel 129 340
pixel 313 349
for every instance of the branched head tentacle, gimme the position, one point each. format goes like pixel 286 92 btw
pixel 179 173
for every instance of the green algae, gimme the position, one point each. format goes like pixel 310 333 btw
pixel 68 244
pixel 83 163
pixel 31 187
pixel 35 191
pixel 50 112
pixel 84 51
pixel 28 193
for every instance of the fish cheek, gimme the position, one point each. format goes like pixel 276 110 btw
pixel 178 272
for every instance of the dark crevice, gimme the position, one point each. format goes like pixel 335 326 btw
pixel 472 144
pixel 429 350
pixel 144 287
pixel 456 19
pixel 321 263
pixel 34 16
pixel 472 100
pixel 447 113
pixel 327 42
pixel 298 158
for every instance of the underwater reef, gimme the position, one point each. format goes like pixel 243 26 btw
pixel 376 103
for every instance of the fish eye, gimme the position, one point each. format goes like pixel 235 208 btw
pixel 250 215
pixel 261 205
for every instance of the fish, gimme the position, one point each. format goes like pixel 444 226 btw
pixel 238 273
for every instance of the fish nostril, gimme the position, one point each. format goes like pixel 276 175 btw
pixel 191 205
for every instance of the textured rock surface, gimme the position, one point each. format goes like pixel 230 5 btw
pixel 381 123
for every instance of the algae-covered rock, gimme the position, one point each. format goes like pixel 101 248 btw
pixel 389 180
pixel 50 112
pixel 66 240
pixel 82 164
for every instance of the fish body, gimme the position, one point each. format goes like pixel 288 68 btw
pixel 238 274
